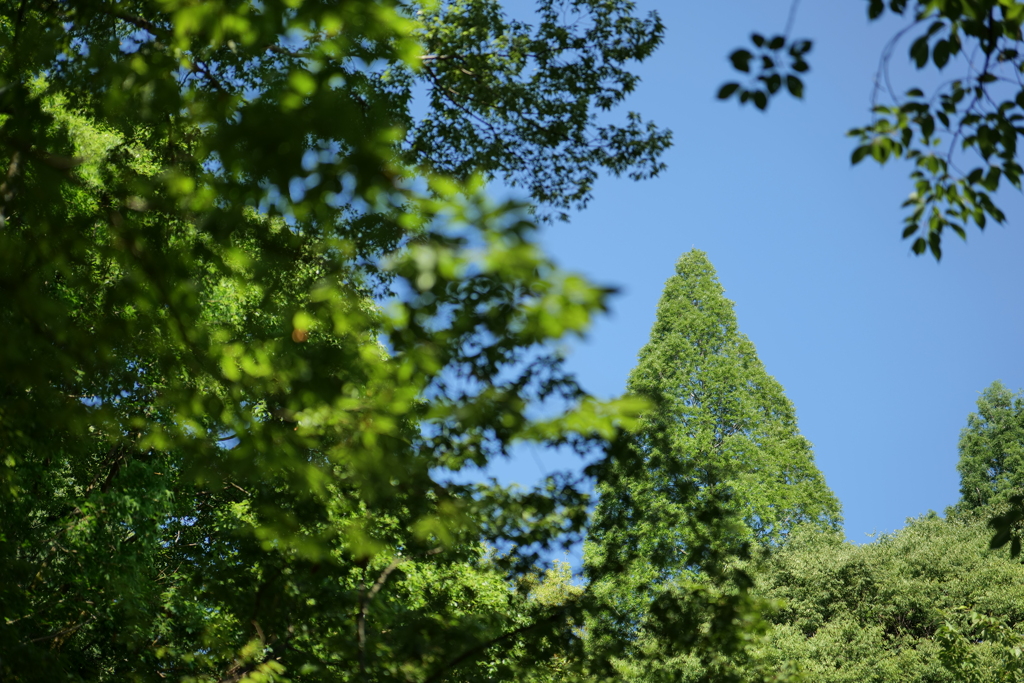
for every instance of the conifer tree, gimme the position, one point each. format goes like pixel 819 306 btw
pixel 991 448
pixel 716 465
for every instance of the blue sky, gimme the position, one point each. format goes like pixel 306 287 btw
pixel 883 353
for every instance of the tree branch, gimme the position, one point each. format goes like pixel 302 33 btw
pixel 366 597
pixel 473 651
pixel 138 22
pixel 6 189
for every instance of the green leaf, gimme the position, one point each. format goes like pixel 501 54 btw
pixel 760 99
pixel 919 51
pixel 800 47
pixel 795 86
pixel 727 90
pixel 927 124
pixel 991 181
pixel 940 55
pixel 881 148
pixel 741 60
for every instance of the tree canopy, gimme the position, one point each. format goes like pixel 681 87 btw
pixel 930 602
pixel 257 311
pixel 933 601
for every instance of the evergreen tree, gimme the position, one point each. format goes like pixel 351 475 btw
pixel 715 465
pixel 991 446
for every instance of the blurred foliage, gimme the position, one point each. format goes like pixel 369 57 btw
pixel 961 137
pixel 257 313
pixel 717 468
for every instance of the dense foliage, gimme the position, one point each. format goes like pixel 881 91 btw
pixel 257 310
pixel 930 603
pixel 716 465
pixel 250 329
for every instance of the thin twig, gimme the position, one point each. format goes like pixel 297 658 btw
pixel 6 189
pixel 366 597
pixel 138 22
pixel 792 18
pixel 445 91
pixel 64 631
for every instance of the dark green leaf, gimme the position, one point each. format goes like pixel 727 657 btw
pixel 935 244
pixel 800 47
pixel 919 52
pixel 927 124
pixel 741 60
pixel 795 86
pixel 991 182
pixel 727 90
